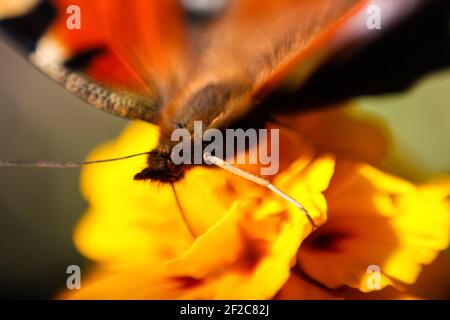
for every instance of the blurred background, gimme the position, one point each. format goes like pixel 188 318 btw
pixel 40 207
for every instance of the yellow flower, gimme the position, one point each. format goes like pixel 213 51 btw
pixel 375 219
pixel 234 233
pixel 236 240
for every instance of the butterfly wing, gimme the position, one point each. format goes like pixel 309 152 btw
pixel 279 47
pixel 87 61
pixel 412 42
pixel 256 44
pixel 131 57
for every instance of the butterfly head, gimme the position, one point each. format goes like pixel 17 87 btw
pixel 191 115
pixel 160 167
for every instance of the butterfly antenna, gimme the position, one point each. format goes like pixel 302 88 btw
pixel 182 212
pixel 63 165
pixel 258 180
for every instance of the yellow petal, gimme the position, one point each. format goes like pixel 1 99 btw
pixel 375 219
pixel 344 131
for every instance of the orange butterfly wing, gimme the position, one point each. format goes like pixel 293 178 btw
pixel 137 40
pixel 151 47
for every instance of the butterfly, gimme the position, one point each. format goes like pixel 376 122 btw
pixel 223 62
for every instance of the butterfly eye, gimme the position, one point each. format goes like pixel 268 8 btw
pixel 204 8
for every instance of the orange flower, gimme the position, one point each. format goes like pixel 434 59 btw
pixel 236 240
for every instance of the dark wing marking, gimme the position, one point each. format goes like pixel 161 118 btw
pixel 27 29
pixel 416 45
pixel 34 32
